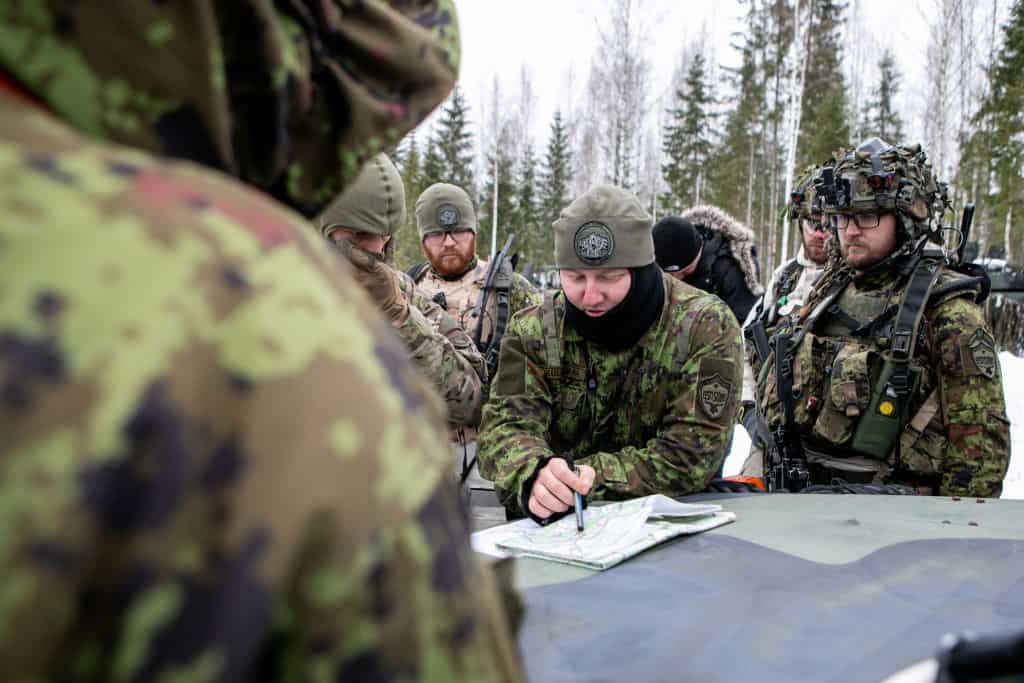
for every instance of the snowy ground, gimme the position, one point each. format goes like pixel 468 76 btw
pixel 1013 386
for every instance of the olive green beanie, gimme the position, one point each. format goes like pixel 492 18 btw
pixel 604 228
pixel 444 207
pixel 374 203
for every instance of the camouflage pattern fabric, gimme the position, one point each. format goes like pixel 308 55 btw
pixel 216 463
pixel 461 295
pixel 959 448
pixel 276 93
pixel 445 353
pixel 655 418
pixel 215 456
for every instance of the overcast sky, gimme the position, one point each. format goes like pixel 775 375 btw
pixel 552 37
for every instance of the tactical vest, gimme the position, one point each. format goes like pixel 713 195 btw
pixel 500 289
pixel 847 381
pixel 765 315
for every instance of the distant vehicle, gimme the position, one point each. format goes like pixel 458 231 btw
pixel 992 265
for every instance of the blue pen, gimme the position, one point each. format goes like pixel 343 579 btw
pixel 577 501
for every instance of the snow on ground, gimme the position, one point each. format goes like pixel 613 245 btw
pixel 1013 388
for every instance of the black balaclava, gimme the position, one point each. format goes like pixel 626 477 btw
pixel 622 326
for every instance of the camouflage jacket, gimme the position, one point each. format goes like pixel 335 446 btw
pixel 462 294
pixel 445 353
pixel 955 435
pixel 216 463
pixel 653 418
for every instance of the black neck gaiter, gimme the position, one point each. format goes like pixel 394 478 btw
pixel 622 326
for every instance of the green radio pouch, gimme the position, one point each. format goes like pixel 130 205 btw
pixel 880 426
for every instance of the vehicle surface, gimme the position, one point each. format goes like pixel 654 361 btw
pixel 800 587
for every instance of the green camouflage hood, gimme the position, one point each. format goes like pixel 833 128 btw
pixel 878 176
pixel 606 227
pixel 285 95
pixel 443 206
pixel 373 203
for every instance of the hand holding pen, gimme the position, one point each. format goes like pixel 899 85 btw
pixel 557 486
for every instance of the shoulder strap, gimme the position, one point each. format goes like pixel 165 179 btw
pixel 416 271
pixel 787 279
pixel 552 338
pixel 908 319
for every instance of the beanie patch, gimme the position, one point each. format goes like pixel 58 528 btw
pixel 448 216
pixel 594 243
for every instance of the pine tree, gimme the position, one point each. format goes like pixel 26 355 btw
pixel 736 160
pixel 687 140
pixel 823 125
pixel 556 176
pixel 433 164
pixel 996 150
pixel 409 162
pixel 530 242
pixel 450 152
pixel 880 116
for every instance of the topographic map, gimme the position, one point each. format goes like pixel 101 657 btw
pixel 612 533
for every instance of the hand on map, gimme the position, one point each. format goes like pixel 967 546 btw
pixel 553 489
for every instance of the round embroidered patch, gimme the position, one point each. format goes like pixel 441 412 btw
pixel 594 243
pixel 447 216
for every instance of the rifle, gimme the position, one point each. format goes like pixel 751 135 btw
pixel 786 469
pixel 965 230
pixel 492 271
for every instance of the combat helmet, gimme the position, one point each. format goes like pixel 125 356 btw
pixel 880 177
pixel 804 201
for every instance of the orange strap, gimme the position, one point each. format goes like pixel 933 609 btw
pixel 756 482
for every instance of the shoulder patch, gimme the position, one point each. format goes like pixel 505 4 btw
pixel 980 354
pixel 715 388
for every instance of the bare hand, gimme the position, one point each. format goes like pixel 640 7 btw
pixel 553 488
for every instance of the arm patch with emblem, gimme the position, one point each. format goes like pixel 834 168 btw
pixel 715 388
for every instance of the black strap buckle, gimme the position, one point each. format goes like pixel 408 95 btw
pixel 901 342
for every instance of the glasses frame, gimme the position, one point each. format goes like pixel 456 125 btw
pixel 437 237
pixel 836 218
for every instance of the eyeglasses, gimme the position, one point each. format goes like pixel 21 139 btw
pixel 436 237
pixel 813 225
pixel 864 221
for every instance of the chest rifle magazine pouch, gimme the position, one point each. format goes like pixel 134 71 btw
pixel 848 394
pixel 879 427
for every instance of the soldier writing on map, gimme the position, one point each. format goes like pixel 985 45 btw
pixel 627 373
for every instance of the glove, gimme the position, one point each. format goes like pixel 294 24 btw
pixel 378 279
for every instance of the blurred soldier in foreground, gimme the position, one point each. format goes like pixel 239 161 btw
pixel 216 463
pixel 888 374
pixel 710 250
pixel 627 373
pixel 456 277
pixel 362 222
pixel 787 290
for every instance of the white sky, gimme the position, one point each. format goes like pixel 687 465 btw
pixel 553 37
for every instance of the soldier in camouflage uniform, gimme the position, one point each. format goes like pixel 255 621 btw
pixel 361 222
pixel 627 373
pixel 888 374
pixel 787 290
pixel 216 464
pixel 454 274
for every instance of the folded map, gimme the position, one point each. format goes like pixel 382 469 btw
pixel 612 532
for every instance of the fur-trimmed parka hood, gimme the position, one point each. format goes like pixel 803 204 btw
pixel 739 239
